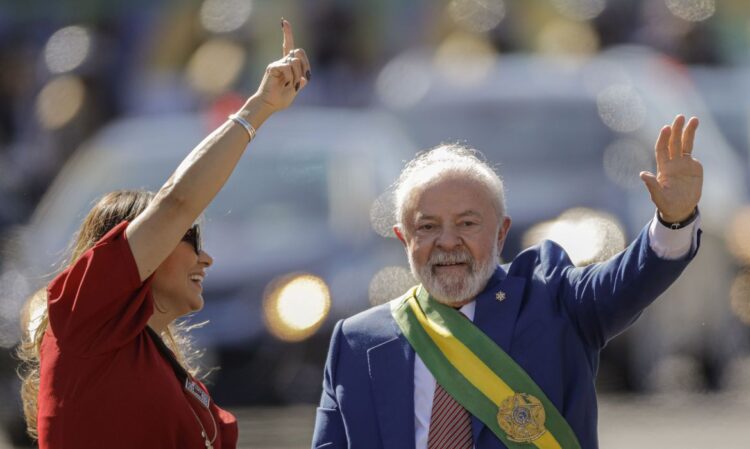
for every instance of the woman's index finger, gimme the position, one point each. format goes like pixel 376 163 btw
pixel 288 42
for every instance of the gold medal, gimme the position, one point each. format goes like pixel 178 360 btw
pixel 521 417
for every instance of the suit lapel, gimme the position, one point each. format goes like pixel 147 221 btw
pixel 496 310
pixel 392 376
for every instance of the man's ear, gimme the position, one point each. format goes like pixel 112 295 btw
pixel 503 233
pixel 399 234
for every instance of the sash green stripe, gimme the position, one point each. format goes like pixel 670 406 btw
pixel 446 374
pixel 498 361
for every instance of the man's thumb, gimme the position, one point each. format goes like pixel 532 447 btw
pixel 652 184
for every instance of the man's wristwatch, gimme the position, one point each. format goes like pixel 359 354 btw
pixel 679 224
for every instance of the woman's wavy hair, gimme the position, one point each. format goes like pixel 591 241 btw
pixel 111 209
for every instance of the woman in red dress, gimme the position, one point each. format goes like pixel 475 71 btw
pixel 104 366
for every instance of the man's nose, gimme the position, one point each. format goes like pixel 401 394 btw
pixel 448 239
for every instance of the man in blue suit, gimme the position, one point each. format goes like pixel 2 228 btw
pixel 410 375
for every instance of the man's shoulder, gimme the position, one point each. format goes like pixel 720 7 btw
pixel 547 256
pixel 370 327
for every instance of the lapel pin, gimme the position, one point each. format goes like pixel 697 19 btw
pixel 500 296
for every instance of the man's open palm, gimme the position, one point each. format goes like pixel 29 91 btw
pixel 676 187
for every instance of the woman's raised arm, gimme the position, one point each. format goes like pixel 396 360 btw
pixel 155 233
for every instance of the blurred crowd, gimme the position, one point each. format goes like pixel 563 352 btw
pixel 70 67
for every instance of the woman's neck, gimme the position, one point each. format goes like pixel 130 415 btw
pixel 159 321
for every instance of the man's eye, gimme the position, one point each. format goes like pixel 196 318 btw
pixel 425 227
pixel 468 223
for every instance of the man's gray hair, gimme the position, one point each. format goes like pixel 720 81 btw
pixel 435 164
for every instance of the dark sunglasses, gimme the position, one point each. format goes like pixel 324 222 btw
pixel 193 236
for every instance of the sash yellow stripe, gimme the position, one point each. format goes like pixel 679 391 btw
pixel 472 368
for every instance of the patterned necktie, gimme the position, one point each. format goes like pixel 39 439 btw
pixel 450 424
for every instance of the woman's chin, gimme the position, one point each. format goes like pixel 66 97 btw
pixel 196 305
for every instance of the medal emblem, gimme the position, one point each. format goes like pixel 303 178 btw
pixel 500 296
pixel 521 417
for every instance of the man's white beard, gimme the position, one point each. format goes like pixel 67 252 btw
pixel 451 289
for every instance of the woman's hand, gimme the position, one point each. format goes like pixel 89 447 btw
pixel 286 77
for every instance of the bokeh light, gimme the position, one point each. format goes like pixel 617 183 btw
pixel 561 37
pixel 67 49
pixel 692 10
pixel 740 297
pixel 403 81
pixel 587 235
pixel 621 108
pixel 382 214
pixel 215 65
pixel 222 16
pixel 465 59
pixel 738 235
pixel 624 160
pixel 14 290
pixel 295 306
pixel 580 9
pixel 390 283
pixel 477 15
pixel 60 101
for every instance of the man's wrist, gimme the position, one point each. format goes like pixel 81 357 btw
pixel 678 224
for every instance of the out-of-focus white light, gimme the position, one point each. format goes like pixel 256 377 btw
pixel 562 37
pixel 740 297
pixel 215 65
pixel 296 305
pixel 382 216
pixel 477 15
pixel 465 59
pixel 692 10
pixel 580 9
pixel 587 235
pixel 738 235
pixel 403 81
pixel 67 49
pixel 60 101
pixel 222 16
pixel 390 283
pixel 621 108
pixel 624 160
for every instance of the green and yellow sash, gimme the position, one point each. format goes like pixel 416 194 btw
pixel 480 375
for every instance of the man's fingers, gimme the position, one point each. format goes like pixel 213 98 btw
pixel 288 42
pixel 689 136
pixel 662 147
pixel 675 143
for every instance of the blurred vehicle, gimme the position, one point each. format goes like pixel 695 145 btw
pixel 569 137
pixel 290 234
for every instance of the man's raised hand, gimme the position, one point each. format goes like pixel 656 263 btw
pixel 676 187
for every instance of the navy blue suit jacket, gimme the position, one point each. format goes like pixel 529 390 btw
pixel 554 321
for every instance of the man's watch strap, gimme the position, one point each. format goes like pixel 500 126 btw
pixel 679 224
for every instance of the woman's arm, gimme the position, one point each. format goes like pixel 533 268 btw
pixel 155 233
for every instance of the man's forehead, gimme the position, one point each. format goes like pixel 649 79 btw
pixel 452 196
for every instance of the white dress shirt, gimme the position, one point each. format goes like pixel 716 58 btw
pixel 666 243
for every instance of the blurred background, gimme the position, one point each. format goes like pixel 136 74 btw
pixel 564 97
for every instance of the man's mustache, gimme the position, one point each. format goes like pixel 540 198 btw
pixel 439 257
